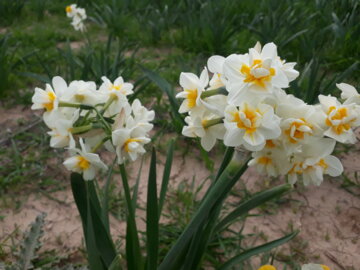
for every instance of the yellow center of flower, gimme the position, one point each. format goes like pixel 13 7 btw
pixel 267 267
pixel 270 144
pixel 295 133
pixel 325 267
pixel 264 161
pixel 115 87
pixel 250 78
pixel 340 114
pixel 68 9
pixel 83 163
pixel 323 164
pixel 127 142
pixel 191 97
pixel 50 105
pixel 246 119
pixel 79 97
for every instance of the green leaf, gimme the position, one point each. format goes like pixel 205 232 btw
pixel 116 264
pixel 105 202
pixel 136 186
pixel 256 200
pixel 215 196
pixel 152 217
pixel 166 175
pixel 166 87
pixel 257 250
pixel 133 253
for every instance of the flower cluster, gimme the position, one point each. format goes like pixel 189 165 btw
pixel 245 105
pixel 78 16
pixel 83 118
pixel 310 266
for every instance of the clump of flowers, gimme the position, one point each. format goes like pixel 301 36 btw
pixel 83 118
pixel 245 105
pixel 78 16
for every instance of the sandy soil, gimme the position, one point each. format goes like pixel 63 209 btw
pixel 328 216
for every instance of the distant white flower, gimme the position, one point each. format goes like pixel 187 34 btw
pixel 78 16
pixel 71 10
pixel 312 266
pixel 340 119
pixel 85 162
pixel 197 127
pixel 250 125
pixel 193 87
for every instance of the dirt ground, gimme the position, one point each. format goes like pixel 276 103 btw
pixel 328 216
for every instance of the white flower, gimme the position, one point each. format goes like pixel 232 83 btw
pixel 340 119
pixel 272 160
pixel 61 127
pixel 119 88
pixel 197 127
pixel 84 162
pixel 253 74
pixel 142 116
pixel 314 161
pixel 215 65
pixel 84 93
pixel 129 143
pixel 349 93
pixel 312 266
pixel 287 68
pixel 250 125
pixel 299 122
pixel 48 99
pixel 193 87
pixel 78 16
pixel 71 10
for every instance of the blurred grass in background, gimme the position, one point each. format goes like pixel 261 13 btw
pixel 38 42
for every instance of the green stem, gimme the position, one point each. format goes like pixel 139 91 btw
pixel 213 92
pixel 99 144
pixel 81 129
pixel 208 123
pixel 75 105
pixel 111 99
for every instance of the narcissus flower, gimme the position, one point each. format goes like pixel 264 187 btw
pixel 78 16
pixel 340 119
pixel 314 161
pixel 205 125
pixel 250 125
pixel 253 74
pixel 215 65
pixel 129 143
pixel 349 93
pixel 84 162
pixel 193 86
pixel 48 99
